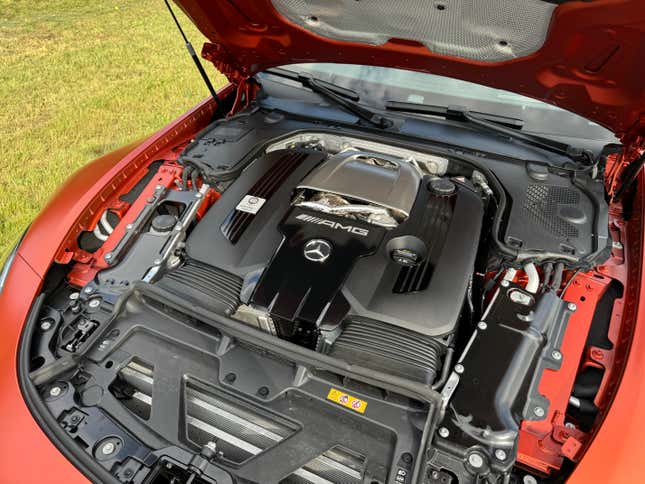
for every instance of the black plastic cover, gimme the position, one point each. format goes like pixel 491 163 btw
pixel 426 298
pixel 496 387
pixel 553 215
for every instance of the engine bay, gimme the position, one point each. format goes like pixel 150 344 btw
pixel 288 302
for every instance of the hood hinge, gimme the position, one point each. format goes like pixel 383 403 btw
pixel 627 165
pixel 237 75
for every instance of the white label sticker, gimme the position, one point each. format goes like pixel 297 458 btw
pixel 250 204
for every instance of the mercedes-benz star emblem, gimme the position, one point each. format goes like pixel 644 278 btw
pixel 317 250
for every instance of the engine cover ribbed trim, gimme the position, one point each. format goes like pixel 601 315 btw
pixel 205 286
pixel 383 347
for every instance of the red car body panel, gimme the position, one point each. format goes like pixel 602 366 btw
pixel 591 61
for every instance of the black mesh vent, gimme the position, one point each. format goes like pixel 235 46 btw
pixel 237 222
pixel 434 232
pixel 541 206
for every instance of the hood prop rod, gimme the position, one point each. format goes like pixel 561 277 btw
pixel 193 55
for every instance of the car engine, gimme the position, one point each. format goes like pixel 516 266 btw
pixel 285 302
pixel 364 260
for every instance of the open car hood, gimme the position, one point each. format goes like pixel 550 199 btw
pixel 585 57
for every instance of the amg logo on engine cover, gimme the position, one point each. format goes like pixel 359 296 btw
pixel 334 225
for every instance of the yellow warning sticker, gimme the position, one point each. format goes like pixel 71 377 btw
pixel 346 400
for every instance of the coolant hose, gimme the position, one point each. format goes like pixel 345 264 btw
pixel 106 224
pixel 533 283
pixel 98 234
pixel 510 274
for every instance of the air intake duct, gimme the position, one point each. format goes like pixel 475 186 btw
pixel 383 347
pixel 204 286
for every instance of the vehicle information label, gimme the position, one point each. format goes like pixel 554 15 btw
pixel 346 400
pixel 250 204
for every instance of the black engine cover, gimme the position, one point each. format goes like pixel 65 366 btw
pixel 360 277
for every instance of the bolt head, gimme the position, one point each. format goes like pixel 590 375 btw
pixel 159 187
pixel 46 324
pixel 500 454
pixel 444 432
pixel 129 227
pixel 74 296
pixel 572 306
pixel 476 460
pixel 482 325
pixel 529 480
pixel 94 303
pixel 198 195
pixel 538 411
pixel 157 262
pixel 108 448
pixel 570 425
pixel 263 391
pixel 88 290
pixel 55 391
pixel 212 446
pixel 556 355
pixel 459 368
pixel 505 283
pixel 108 256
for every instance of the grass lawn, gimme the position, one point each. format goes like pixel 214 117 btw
pixel 79 79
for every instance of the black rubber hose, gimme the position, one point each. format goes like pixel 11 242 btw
pixel 557 276
pixel 194 174
pixel 447 365
pixel 548 270
pixel 184 176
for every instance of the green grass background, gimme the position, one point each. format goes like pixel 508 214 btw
pixel 79 79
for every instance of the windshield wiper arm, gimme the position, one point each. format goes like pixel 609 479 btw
pixel 496 124
pixel 443 111
pixel 320 88
pixel 294 76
